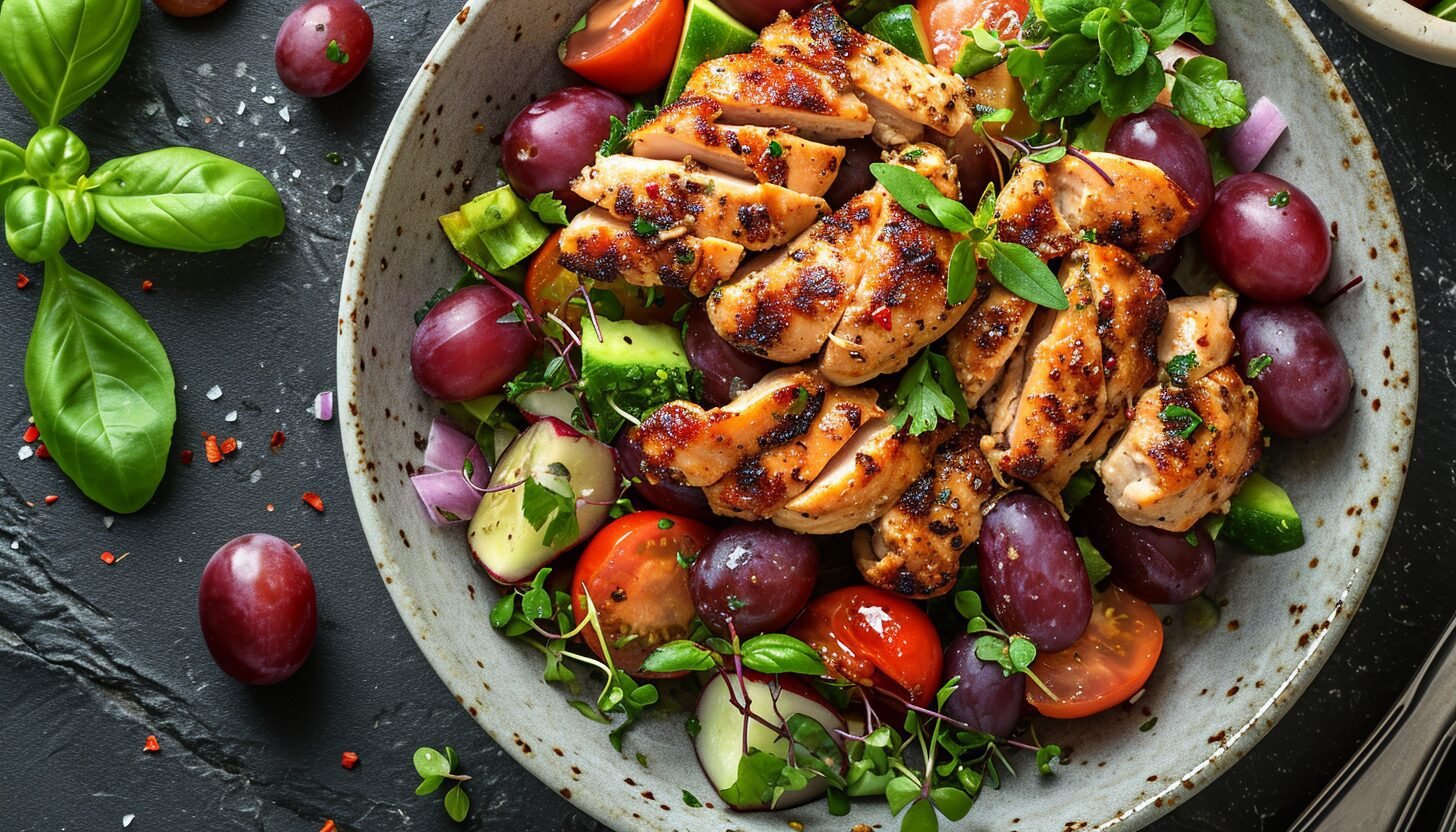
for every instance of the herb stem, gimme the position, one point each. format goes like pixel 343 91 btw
pixel 526 310
pixel 1072 151
pixel 591 313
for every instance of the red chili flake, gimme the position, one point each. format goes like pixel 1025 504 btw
pixel 653 190
pixel 314 500
pixel 209 446
pixel 349 759
pixel 277 441
pixel 881 316
pixel 270 506
pixel 329 827
pixel 108 558
pixel 51 499
pixel 32 433
pixel 187 457
pixel 152 745
pixel 22 281
pixel 148 285
pixel 228 445
pixel 42 451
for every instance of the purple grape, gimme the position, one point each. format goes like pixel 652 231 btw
pixel 257 608
pixel 1032 572
pixel 725 369
pixel 1266 238
pixel 323 46
pixel 463 351
pixel 854 172
pixel 756 575
pixel 1156 565
pixel 1167 141
pixel 547 144
pixel 1304 385
pixel 668 496
pixel 985 698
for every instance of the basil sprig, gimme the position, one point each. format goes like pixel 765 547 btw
pixel 101 389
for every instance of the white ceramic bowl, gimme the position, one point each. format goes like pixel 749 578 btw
pixel 1401 26
pixel 1215 693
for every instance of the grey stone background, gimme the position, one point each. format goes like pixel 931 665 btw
pixel 93 658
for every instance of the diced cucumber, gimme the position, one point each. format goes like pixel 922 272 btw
pixel 708 33
pixel 1262 519
pixel 902 28
pixel 496 229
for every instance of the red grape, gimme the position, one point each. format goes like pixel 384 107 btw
pixel 1167 141
pixel 189 8
pixel 1266 238
pixel 1156 565
pixel 854 172
pixel 985 698
pixel 258 609
pixel 1304 387
pixel 756 575
pixel 1032 572
pixel 756 14
pixel 547 144
pixel 463 350
pixel 323 46
pixel 685 500
pixel 726 369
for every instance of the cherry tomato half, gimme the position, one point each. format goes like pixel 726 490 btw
pixel 1110 662
pixel 873 638
pixel 549 287
pixel 946 19
pixel 627 46
pixel 639 589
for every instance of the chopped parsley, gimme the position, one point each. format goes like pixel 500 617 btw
pixel 1257 365
pixel 775 149
pixel 735 603
pixel 1179 366
pixel 617 140
pixel 1089 235
pixel 644 227
pixel 551 210
pixel 928 393
pixel 336 53
pixel 1181 421
pixel 912 154
pixel 1279 200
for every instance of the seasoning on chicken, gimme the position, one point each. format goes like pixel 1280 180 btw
pixel 863 480
pixel 761 89
pixel 597 246
pixel 760 484
pixel 1051 209
pixel 685 443
pixel 689 128
pixel 1186 451
pixel 915 548
pixel 672 195
pixel 900 305
pixel 981 345
pixel 1198 325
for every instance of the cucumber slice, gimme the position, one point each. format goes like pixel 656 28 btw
pixel 708 33
pixel 902 28
pixel 1262 519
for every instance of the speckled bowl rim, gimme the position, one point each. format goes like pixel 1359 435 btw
pixel 1325 635
pixel 1402 27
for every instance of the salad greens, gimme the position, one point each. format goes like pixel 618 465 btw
pixel 434 768
pixel 101 388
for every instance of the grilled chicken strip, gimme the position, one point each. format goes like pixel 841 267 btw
pixel 898 88
pixel 675 194
pixel 783 306
pixel 1058 397
pixel 598 246
pixel 689 129
pixel 1155 477
pixel 762 89
pixel 914 549
pixel 900 305
pixel 980 346
pixel 762 483
pixel 1199 326
pixel 685 443
pixel 1051 209
pixel 862 481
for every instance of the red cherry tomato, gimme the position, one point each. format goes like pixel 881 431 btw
pixel 873 638
pixel 946 19
pixel 189 8
pixel 1109 663
pixel 640 591
pixel 627 46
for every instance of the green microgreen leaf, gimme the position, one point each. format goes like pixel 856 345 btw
pixel 1024 274
pixel 1203 93
pixel 1180 421
pixel 430 763
pixel 457 803
pixel 551 210
pixel 679 655
pixel 779 653
pixel 1257 365
pixel 1179 366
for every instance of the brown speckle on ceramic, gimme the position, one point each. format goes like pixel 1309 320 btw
pixel 1215 693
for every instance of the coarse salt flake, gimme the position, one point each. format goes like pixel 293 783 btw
pixel 268 99
pixel 25 452
pixel 255 476
pixel 214 393
pixel 231 417
pixel 126 820
pixel 284 114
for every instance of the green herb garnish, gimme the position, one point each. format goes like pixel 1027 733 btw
pixel 929 392
pixel 434 769
pixel 1257 365
pixel 336 53
pixel 1179 366
pixel 1181 421
pixel 617 140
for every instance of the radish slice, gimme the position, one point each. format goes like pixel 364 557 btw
pixel 447 498
pixel 1250 142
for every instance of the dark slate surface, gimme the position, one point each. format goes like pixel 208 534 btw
pixel 94 658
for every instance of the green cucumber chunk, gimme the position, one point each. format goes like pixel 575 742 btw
pixel 1262 519
pixel 496 229
pixel 708 33
pixel 902 28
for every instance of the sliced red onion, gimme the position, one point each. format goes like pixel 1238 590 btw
pixel 1248 144
pixel 448 449
pixel 447 498
pixel 323 406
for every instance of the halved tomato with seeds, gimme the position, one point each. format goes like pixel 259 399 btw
pixel 1106 665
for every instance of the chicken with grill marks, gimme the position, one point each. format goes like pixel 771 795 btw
pixel 982 344
pixel 1199 326
pixel 773 91
pixel 598 246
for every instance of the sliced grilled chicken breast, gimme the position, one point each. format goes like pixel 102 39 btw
pixel 689 128
pixel 1051 209
pixel 685 443
pixel 600 247
pixel 1060 395
pixel 783 306
pixel 900 304
pixel 862 481
pixel 980 346
pixel 1199 326
pixel 1155 477
pixel 670 195
pixel 886 78
pixel 915 548
pixel 772 91
pixel 760 484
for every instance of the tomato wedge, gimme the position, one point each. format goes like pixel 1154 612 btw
pixel 873 638
pixel 639 589
pixel 1110 662
pixel 627 46
pixel 946 19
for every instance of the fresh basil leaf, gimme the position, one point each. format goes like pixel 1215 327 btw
pixel 101 390
pixel 1123 45
pixel 1203 93
pixel 1025 65
pixel 909 188
pixel 35 224
pixel 55 54
pixel 679 655
pixel 1068 83
pixel 960 279
pixel 430 763
pixel 1130 93
pixel 184 199
pixel 56 157
pixel 1025 275
pixel 457 803
pixel 1170 26
pixel 1066 15
pixel 12 168
pixel 779 653
pixel 1198 21
pixel 986 208
pixel 80 208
